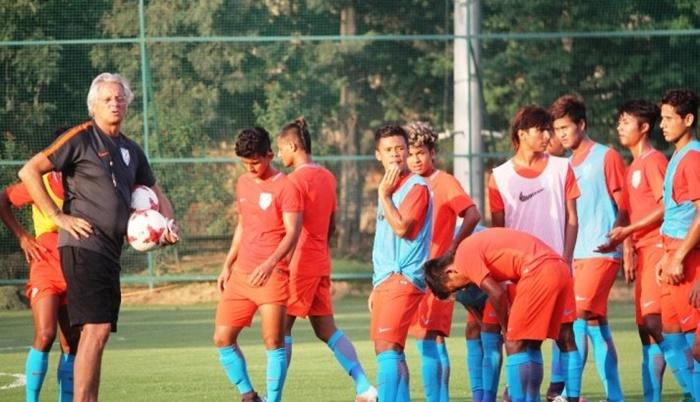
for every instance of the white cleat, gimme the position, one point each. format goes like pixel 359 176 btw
pixel 368 396
pixel 559 398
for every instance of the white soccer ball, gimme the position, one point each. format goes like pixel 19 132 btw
pixel 145 229
pixel 143 198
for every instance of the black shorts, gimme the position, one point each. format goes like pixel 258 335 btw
pixel 94 294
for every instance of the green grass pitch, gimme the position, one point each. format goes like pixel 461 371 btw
pixel 166 354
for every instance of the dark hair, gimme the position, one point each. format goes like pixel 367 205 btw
pixel 527 118
pixel 568 106
pixel 684 101
pixel 390 131
pixel 435 276
pixel 642 110
pixel 301 130
pixel 421 134
pixel 252 142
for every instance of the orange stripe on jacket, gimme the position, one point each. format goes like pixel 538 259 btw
pixel 65 138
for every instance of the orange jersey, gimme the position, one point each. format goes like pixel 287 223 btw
pixel 686 187
pixel 643 193
pixel 449 202
pixel 317 187
pixel 504 254
pixel 496 203
pixel 260 206
pixel 19 197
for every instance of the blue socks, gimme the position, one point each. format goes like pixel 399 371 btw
pixel 532 391
pixel 392 377
pixel 690 339
pixel 445 378
pixel 492 346
pixel 573 369
pixel 475 357
pixel 288 341
pixel 35 369
pixel 430 369
pixel 606 360
pixel 276 373
pixel 518 375
pixel 653 367
pixel 64 375
pixel 347 357
pixel 232 360
pixel 581 338
pixel 558 371
pixel 677 353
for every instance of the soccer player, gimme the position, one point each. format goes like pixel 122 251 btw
pixel 642 214
pixel 255 274
pixel 536 193
pixel 401 246
pixel 310 266
pixel 46 288
pixel 680 230
pixel 99 166
pixel 433 321
pixel 600 175
pixel 543 283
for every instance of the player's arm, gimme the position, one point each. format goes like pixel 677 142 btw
pixel 167 210
pixel 570 230
pixel 30 174
pixel 331 227
pixel 230 256
pixel 496 205
pixel 413 209
pixel 470 218
pixel 674 264
pixel 32 250
pixel 292 228
pixel 498 297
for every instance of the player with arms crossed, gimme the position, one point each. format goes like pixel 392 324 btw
pixel 46 288
pixel 677 270
pixel 433 320
pixel 310 266
pixel 600 175
pixel 401 246
pixel 255 275
pixel 642 214
pixel 543 283
pixel 536 193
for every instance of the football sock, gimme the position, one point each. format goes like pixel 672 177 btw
pixel 517 375
pixel 606 360
pixel 233 361
pixel 581 338
pixel 288 341
pixel 574 370
pixel 347 357
pixel 492 346
pixel 404 389
pixel 676 350
pixel 695 369
pixel 64 375
pixel 388 373
pixel 653 367
pixel 430 369
pixel 35 369
pixel 445 378
pixel 558 375
pixel 532 391
pixel 276 373
pixel 475 357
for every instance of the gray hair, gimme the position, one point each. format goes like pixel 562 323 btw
pixel 107 77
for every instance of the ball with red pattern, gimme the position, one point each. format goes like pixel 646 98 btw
pixel 143 198
pixel 145 229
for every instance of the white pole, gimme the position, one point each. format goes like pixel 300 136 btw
pixel 467 101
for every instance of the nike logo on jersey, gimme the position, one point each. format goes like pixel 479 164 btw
pixel 526 197
pixel 580 298
pixel 383 330
pixel 647 304
pixel 685 319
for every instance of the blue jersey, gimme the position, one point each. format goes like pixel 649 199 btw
pixel 596 210
pixel 677 217
pixel 393 254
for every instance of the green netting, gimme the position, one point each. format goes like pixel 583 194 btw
pixel 203 70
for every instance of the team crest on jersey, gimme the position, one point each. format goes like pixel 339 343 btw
pixel 126 157
pixel 636 178
pixel 265 200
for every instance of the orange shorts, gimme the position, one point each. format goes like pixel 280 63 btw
pixel 433 315
pixel 538 307
pixel 489 315
pixel 309 295
pixel 647 293
pixel 394 304
pixel 675 304
pixel 46 276
pixel 240 301
pixel 594 277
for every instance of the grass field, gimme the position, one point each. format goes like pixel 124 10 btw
pixel 165 354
